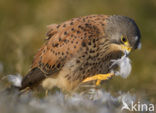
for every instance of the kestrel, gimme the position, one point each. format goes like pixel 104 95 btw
pixel 89 48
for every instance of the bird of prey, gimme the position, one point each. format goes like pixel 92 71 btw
pixel 83 49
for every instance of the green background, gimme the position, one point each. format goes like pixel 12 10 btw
pixel 23 28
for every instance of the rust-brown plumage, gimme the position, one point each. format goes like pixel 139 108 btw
pixel 73 51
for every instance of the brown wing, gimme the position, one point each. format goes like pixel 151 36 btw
pixel 64 42
pixel 52 30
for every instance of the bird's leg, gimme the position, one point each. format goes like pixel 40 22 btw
pixel 46 92
pixel 99 77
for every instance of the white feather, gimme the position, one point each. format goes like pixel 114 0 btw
pixel 16 80
pixel 124 67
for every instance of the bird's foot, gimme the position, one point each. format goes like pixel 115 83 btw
pixel 99 78
pixel 27 89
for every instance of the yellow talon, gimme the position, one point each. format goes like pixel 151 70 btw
pixel 98 77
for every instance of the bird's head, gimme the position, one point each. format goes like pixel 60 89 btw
pixel 123 32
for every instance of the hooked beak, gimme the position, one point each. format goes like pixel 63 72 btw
pixel 126 48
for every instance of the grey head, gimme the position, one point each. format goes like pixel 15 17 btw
pixel 122 26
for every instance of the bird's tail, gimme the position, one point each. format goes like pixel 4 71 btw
pixel 33 78
pixel 18 83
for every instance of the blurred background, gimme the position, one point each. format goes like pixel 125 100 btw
pixel 23 28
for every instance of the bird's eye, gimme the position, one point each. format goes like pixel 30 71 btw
pixel 123 39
